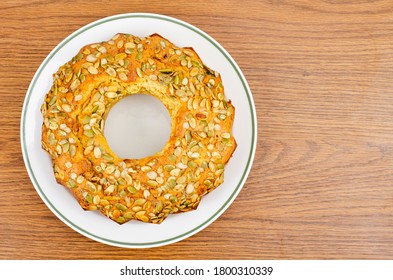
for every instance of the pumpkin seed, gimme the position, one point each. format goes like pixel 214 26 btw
pixel 123 76
pixel 121 207
pixel 88 133
pixel 152 175
pixel 97 152
pixel 141 216
pixel 190 188
pixel 152 183
pixel 111 71
pixel 92 70
pixel 71 183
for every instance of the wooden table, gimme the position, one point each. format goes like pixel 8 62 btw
pixel 321 74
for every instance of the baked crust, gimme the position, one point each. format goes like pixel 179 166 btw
pixel 190 165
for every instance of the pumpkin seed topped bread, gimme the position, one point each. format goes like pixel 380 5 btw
pixel 174 180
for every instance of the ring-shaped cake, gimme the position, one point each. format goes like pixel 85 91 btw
pixel 174 180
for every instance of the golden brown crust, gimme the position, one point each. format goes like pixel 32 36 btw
pixel 173 180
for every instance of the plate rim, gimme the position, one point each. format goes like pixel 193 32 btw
pixel 195 229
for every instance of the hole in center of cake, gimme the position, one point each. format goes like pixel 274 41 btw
pixel 137 126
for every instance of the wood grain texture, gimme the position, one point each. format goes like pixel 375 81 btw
pixel 321 73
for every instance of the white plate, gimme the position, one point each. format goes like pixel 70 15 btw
pixel 176 227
